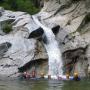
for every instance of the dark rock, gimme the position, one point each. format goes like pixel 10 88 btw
pixel 55 29
pixel 32 63
pixel 4 47
pixel 8 44
pixel 36 34
pixel 44 38
pixel 69 54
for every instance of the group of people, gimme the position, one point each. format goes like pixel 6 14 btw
pixel 27 75
pixel 75 77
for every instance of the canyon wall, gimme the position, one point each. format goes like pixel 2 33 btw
pixel 25 44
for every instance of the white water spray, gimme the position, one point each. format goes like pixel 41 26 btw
pixel 54 54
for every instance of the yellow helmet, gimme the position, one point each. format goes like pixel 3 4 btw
pixel 75 74
pixel 41 73
pixel 67 76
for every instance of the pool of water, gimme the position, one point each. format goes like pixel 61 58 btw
pixel 44 85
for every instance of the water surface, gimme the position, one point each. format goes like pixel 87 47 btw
pixel 44 85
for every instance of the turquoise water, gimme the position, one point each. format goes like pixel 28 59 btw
pixel 44 85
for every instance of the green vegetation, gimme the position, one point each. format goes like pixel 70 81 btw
pixel 7 28
pixel 21 5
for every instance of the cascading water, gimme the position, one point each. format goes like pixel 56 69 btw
pixel 54 54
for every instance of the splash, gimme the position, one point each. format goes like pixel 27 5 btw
pixel 53 51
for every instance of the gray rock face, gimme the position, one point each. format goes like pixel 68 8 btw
pixel 15 48
pixel 73 17
pixel 4 48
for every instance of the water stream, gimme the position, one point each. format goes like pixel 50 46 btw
pixel 53 51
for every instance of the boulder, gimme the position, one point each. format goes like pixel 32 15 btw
pixel 37 33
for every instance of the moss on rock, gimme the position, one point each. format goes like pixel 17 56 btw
pixel 7 28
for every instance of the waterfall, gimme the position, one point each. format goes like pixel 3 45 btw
pixel 53 51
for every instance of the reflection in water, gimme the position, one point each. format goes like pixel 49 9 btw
pixel 44 85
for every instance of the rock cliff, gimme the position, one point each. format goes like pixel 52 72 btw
pixel 25 44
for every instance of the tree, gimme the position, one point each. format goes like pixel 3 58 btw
pixel 30 6
pixel 13 4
